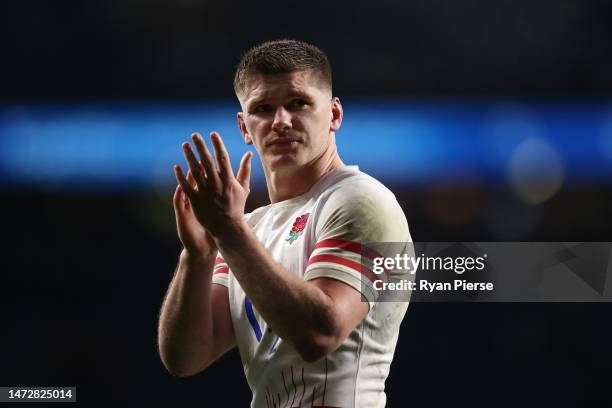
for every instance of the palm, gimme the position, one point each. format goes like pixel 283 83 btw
pixel 194 237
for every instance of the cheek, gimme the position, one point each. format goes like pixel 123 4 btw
pixel 258 129
pixel 254 126
pixel 310 122
pixel 321 122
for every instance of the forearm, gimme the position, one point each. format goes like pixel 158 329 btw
pixel 298 311
pixel 185 323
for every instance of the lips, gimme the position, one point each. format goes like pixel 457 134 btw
pixel 284 141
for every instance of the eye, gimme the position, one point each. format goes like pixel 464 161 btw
pixel 298 103
pixel 263 108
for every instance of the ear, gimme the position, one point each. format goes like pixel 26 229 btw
pixel 243 129
pixel 337 114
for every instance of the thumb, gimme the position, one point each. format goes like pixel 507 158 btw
pixel 244 172
pixel 177 200
pixel 180 201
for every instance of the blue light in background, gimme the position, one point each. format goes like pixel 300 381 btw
pixel 131 145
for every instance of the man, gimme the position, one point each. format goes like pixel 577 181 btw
pixel 285 282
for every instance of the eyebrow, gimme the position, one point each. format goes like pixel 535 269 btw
pixel 290 94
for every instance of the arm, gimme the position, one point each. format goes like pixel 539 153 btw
pixel 194 325
pixel 314 316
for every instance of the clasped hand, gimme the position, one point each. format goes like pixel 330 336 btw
pixel 210 195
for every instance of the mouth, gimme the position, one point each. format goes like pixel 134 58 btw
pixel 284 142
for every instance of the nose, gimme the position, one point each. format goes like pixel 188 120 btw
pixel 282 120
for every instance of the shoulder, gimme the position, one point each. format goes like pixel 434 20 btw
pixel 365 206
pixel 361 194
pixel 361 188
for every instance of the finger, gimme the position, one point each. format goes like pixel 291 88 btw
pixel 206 158
pixel 178 199
pixel 194 166
pixel 182 180
pixel 191 180
pixel 244 172
pixel 182 204
pixel 223 160
pixel 202 170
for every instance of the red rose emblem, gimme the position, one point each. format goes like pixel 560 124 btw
pixel 298 227
pixel 300 223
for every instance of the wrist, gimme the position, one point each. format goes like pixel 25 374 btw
pixel 196 258
pixel 233 233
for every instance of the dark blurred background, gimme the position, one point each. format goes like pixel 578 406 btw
pixel 491 121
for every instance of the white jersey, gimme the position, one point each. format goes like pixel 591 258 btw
pixel 319 234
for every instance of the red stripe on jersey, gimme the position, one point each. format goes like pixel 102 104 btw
pixel 219 260
pixel 345 262
pixel 351 246
pixel 224 269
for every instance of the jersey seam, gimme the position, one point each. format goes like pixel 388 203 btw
pixel 359 349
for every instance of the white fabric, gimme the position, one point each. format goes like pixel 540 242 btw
pixel 345 208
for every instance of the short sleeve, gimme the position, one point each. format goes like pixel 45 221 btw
pixel 353 216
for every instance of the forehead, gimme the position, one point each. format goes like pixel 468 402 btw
pixel 296 83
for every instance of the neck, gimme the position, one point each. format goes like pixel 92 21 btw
pixel 286 183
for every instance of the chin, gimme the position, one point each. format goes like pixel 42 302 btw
pixel 283 161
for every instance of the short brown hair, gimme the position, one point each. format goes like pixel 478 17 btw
pixel 281 57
